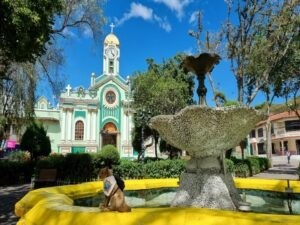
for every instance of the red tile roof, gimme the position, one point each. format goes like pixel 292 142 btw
pixel 282 115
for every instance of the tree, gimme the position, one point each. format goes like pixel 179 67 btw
pixel 25 28
pixel 273 57
pixel 240 36
pixel 163 89
pixel 17 96
pixel 30 33
pixel 36 141
pixel 77 17
pixel 259 45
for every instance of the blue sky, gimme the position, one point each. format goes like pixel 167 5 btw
pixel 155 29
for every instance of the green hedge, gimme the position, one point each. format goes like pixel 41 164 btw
pixel 229 165
pixel 83 167
pixel 164 169
pixel 71 167
pixel 153 169
pixel 129 169
pixel 298 171
pixel 250 166
pixel 254 166
pixel 14 172
pixel 241 170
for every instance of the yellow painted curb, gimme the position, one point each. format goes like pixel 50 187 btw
pixel 54 206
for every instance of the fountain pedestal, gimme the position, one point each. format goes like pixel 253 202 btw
pixel 205 184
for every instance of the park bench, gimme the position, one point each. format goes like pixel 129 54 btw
pixel 46 177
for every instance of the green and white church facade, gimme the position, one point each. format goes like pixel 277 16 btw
pixel 88 119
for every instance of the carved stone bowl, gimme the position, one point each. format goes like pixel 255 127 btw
pixel 204 131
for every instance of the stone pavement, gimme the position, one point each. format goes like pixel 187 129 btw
pixel 12 194
pixel 281 169
pixel 9 196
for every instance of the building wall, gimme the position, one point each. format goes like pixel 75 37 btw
pixel 50 118
pixel 282 139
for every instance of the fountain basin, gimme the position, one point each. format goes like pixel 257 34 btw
pixel 54 205
pixel 206 134
pixel 204 131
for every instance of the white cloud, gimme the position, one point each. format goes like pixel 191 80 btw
pixel 87 32
pixel 68 33
pixel 176 5
pixel 194 17
pixel 138 10
pixel 163 23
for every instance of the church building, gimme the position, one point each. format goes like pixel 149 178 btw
pixel 88 119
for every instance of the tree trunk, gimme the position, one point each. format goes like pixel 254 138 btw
pixel 269 141
pixel 269 136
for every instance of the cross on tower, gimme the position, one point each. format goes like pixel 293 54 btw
pixel 68 88
pixel 112 27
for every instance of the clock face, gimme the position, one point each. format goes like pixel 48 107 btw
pixel 111 53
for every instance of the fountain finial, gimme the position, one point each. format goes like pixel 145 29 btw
pixel 201 65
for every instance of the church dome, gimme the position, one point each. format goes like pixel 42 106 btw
pixel 111 39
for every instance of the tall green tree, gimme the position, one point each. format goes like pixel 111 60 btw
pixel 240 31
pixel 162 89
pixel 77 18
pixel 17 96
pixel 259 44
pixel 36 141
pixel 274 57
pixel 25 28
pixel 30 33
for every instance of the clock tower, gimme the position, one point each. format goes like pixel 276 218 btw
pixel 111 54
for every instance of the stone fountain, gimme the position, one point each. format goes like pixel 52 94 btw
pixel 206 133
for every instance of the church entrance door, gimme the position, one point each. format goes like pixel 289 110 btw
pixel 109 134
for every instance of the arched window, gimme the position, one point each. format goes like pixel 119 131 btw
pixel 111 66
pixel 79 130
pixel 110 97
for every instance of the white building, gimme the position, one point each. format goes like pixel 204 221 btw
pixel 88 119
pixel 285 134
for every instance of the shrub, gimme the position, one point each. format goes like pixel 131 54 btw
pixel 19 156
pixel 13 172
pixel 110 155
pixel 298 171
pixel 78 167
pixel 229 165
pixel 129 169
pixel 164 168
pixel 254 165
pixel 55 161
pixel 36 141
pixel 153 169
pixel 72 167
pixel 264 163
pixel 241 170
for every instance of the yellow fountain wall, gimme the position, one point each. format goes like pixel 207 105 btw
pixel 54 206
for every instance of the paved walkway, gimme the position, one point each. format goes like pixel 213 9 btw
pixel 12 194
pixel 281 169
pixel 8 198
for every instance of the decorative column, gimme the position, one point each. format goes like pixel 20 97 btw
pixel 94 126
pixel 88 125
pixel 282 147
pixel 70 124
pixel 63 126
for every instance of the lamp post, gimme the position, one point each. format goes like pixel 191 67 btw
pixel 144 116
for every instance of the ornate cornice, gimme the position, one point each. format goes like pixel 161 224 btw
pixel 106 78
pixel 94 102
